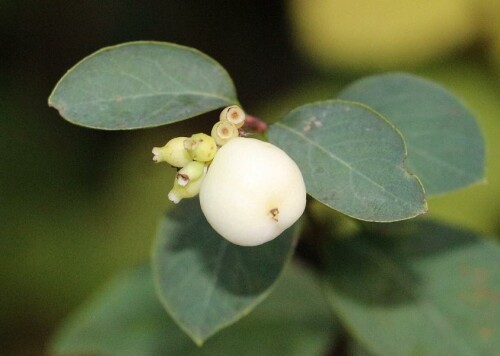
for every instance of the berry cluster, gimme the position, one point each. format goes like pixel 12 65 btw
pixel 192 155
pixel 252 190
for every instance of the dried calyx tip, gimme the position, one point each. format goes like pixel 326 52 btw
pixel 190 172
pixel 174 198
pixel 182 179
pixel 156 154
pixel 274 214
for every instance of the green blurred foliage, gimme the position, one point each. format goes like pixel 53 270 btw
pixel 77 205
pixel 294 320
pixel 476 207
pixel 390 34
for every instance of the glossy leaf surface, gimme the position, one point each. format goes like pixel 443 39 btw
pixel 417 288
pixel 445 144
pixel 142 84
pixel 207 283
pixel 126 318
pixel 351 160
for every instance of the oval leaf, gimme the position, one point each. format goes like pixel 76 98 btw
pixel 417 289
pixel 126 318
pixel 141 84
pixel 351 159
pixel 205 282
pixel 445 144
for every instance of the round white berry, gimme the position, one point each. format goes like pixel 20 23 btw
pixel 252 192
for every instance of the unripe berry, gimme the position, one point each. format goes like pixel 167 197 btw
pixel 201 147
pixel 252 192
pixel 191 189
pixel 223 131
pixel 233 114
pixel 173 153
pixel 191 172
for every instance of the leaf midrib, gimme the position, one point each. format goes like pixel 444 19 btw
pixel 132 97
pixel 346 164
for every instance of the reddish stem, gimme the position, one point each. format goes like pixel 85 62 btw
pixel 255 124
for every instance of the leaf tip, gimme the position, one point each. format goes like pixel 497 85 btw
pixel 59 108
pixel 425 207
pixel 50 101
pixel 198 341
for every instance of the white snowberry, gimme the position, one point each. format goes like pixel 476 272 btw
pixel 252 192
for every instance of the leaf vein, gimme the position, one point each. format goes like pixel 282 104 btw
pixel 341 161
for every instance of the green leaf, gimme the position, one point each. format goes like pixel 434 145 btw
pixel 126 318
pixel 445 145
pixel 141 84
pixel 417 288
pixel 294 320
pixel 207 283
pixel 351 160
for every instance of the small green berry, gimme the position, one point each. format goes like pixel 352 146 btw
pixel 173 153
pixel 201 147
pixel 191 172
pixel 223 131
pixel 191 189
pixel 233 114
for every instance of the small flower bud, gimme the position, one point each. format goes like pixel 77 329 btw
pixel 191 189
pixel 233 114
pixel 223 131
pixel 201 147
pixel 191 172
pixel 173 153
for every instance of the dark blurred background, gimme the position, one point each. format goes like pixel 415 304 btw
pixel 77 205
